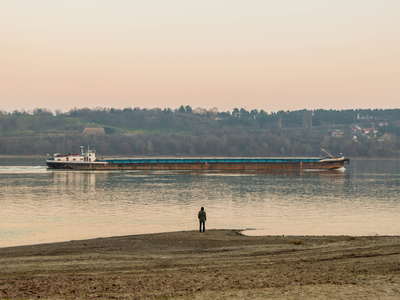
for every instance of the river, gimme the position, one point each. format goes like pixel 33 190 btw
pixel 39 205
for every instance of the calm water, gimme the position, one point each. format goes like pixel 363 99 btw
pixel 38 205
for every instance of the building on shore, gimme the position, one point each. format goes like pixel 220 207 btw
pixel 93 131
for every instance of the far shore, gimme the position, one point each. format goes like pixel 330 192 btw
pixel 22 156
pixel 217 264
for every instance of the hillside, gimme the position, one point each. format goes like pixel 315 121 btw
pixel 188 131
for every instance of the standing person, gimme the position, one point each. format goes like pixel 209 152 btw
pixel 202 219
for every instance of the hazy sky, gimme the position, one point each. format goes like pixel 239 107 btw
pixel 264 54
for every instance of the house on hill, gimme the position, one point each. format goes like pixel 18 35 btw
pixel 94 131
pixel 337 133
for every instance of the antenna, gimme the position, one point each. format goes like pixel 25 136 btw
pixel 326 152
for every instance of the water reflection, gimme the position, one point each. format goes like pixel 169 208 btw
pixel 86 181
pixel 44 206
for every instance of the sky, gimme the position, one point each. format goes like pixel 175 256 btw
pixel 264 54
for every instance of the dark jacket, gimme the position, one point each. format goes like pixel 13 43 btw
pixel 202 215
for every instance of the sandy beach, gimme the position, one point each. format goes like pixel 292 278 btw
pixel 218 264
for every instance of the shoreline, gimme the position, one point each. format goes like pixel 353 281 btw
pixel 216 264
pixel 241 232
pixel 22 156
pixel 238 232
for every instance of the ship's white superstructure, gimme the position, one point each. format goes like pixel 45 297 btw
pixel 88 156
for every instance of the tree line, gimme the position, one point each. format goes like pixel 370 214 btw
pixel 188 131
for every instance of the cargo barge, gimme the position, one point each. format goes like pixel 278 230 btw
pixel 87 160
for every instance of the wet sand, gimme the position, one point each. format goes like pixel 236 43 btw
pixel 218 264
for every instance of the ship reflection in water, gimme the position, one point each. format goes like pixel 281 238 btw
pixel 40 205
pixel 85 181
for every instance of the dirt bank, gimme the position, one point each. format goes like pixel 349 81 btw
pixel 219 264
